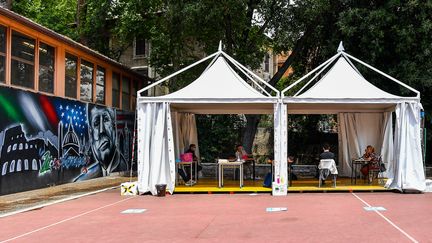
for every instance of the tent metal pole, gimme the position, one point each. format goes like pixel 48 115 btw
pixel 248 76
pixel 385 75
pixel 176 73
pixel 310 73
pixel 316 75
pixel 352 65
pixel 211 63
pixel 251 73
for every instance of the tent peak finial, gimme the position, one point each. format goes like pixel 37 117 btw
pixel 220 45
pixel 340 48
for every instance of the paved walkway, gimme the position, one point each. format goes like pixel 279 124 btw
pixel 17 201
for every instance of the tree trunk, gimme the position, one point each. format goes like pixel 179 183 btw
pixel 250 131
pixel 253 120
pixel 9 4
pixel 80 20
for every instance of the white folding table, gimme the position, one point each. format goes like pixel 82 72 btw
pixel 227 164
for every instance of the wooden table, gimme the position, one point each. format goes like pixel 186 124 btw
pixel 234 164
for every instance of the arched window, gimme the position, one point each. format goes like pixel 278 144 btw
pixel 34 165
pixel 12 166
pixel 26 164
pixel 19 165
pixel 5 167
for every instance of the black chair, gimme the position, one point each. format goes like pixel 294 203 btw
pixel 375 170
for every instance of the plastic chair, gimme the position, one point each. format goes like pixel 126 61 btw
pixel 326 167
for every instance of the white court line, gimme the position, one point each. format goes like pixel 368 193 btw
pixel 54 202
pixel 65 220
pixel 388 220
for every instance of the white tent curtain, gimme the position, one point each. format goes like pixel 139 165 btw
pixel 407 172
pixel 156 164
pixel 358 130
pixel 185 132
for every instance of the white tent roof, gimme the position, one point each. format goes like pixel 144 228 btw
pixel 219 90
pixel 342 89
pixel 342 81
pixel 219 81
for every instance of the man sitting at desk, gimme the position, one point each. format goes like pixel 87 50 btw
pixel 326 154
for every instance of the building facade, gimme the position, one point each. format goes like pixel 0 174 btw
pixel 66 110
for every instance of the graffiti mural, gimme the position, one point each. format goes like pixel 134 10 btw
pixel 49 140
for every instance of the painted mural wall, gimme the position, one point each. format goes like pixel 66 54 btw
pixel 48 140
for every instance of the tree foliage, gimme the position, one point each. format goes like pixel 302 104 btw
pixel 394 35
pixel 58 15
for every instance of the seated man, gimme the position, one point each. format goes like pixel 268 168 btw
pixel 326 154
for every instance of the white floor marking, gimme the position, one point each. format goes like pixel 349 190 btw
pixel 386 219
pixel 54 202
pixel 65 220
pixel 134 210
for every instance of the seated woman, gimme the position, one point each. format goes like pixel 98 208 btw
pixel 192 149
pixel 372 159
pixel 241 155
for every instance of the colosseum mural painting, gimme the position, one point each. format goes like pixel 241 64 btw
pixel 48 140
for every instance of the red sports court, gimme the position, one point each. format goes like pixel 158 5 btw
pixel 311 217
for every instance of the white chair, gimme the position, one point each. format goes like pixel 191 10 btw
pixel 326 167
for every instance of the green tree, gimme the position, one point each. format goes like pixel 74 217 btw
pixel 90 22
pixel 394 36
pixel 58 15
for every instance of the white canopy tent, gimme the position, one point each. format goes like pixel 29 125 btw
pixel 166 123
pixel 364 117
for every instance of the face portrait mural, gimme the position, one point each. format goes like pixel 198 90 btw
pixel 102 133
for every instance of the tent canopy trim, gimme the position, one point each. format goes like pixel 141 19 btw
pixel 224 108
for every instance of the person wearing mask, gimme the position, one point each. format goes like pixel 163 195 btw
pixel 371 158
pixel 241 155
pixel 186 174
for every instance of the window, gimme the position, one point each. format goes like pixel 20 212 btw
pixel 140 47
pixel 2 53
pixel 125 93
pixel 116 90
pixel 46 68
pixel 100 85
pixel 71 64
pixel 22 64
pixel 86 87
pixel 134 93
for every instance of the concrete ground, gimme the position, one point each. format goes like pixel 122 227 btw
pixel 310 217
